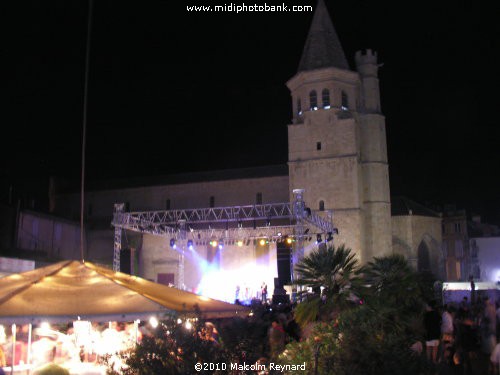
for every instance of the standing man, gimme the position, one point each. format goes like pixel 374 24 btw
pixel 263 292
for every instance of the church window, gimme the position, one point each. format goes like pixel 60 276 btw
pixel 299 107
pixel 321 205
pixel 345 102
pixel 318 146
pixel 326 99
pixel 313 100
pixel 258 198
pixel 212 201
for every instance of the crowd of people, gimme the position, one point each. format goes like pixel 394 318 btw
pixel 82 343
pixel 462 338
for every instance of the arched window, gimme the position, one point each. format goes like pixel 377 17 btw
pixel 326 98
pixel 321 205
pixel 423 257
pixel 313 100
pixel 299 107
pixel 345 102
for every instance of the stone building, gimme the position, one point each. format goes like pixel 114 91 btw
pixel 337 153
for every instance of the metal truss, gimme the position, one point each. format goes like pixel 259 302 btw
pixel 166 222
pixel 226 224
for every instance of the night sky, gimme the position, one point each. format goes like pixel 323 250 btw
pixel 176 91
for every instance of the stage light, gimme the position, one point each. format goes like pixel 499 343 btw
pixel 318 238
pixel 289 240
pixel 221 244
pixel 330 237
pixel 190 244
pixel 280 234
pixel 172 243
pixel 240 243
pixel 213 243
pixel 262 242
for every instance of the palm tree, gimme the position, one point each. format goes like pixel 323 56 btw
pixel 391 278
pixel 332 270
pixel 392 285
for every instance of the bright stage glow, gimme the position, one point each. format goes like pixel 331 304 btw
pixel 223 284
pixel 240 243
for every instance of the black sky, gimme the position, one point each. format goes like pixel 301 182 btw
pixel 176 91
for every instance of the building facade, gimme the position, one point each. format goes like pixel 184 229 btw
pixel 337 154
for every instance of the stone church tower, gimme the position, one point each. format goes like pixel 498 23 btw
pixel 337 141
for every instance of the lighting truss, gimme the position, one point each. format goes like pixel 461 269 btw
pixel 166 222
pixel 231 224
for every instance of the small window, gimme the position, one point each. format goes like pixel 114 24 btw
pixel 167 204
pixel 313 100
pixel 212 201
pixel 321 205
pixel 318 146
pixel 345 101
pixel 258 198
pixel 326 98
pixel 299 107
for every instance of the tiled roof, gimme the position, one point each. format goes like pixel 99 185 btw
pixel 322 48
pixel 402 206
pixel 185 178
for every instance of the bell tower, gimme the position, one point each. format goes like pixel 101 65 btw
pixel 336 141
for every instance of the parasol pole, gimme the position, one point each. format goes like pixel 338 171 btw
pixel 13 349
pixel 84 131
pixel 28 359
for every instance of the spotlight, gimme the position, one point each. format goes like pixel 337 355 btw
pixel 318 238
pixel 262 242
pixel 330 237
pixel 221 244
pixel 190 244
pixel 280 234
pixel 240 243
pixel 172 243
pixel 213 243
pixel 289 240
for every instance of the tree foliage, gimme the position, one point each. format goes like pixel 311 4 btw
pixel 332 270
pixel 370 338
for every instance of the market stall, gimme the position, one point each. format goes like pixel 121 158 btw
pixel 71 291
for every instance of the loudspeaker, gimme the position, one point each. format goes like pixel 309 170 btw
pixel 125 261
pixel 283 259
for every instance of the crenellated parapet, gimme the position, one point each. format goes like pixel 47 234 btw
pixel 366 63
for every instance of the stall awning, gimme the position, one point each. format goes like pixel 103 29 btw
pixel 67 290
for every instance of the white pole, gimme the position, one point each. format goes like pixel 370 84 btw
pixel 13 349
pixel 28 359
